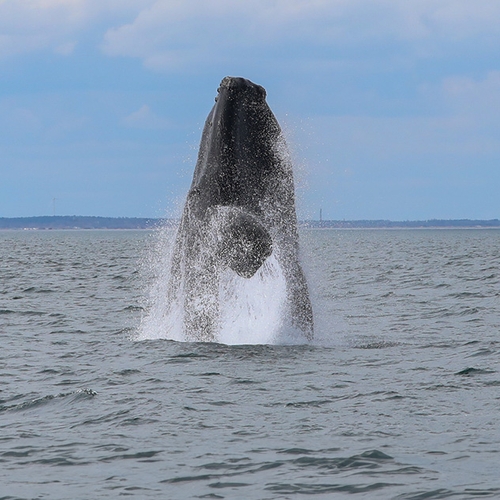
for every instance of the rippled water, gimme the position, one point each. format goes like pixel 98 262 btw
pixel 398 397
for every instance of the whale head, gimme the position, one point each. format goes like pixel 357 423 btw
pixel 238 148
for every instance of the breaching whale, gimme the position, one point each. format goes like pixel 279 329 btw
pixel 239 210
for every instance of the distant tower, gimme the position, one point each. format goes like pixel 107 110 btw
pixel 320 215
pixel 53 206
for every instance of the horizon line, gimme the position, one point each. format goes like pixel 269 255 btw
pixel 434 219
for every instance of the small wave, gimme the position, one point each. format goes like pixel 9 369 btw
pixel 446 493
pixel 141 456
pixel 79 394
pixel 481 352
pixel 381 344
pixel 127 371
pixel 304 451
pixel 468 295
pixel 322 489
pixel 133 308
pixel 22 313
pixel 309 404
pixel 371 460
pixel 33 289
pixel 468 372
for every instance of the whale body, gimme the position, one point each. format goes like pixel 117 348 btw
pixel 240 209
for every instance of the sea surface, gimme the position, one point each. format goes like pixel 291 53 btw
pixel 398 397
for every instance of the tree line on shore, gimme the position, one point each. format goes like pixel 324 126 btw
pixel 88 222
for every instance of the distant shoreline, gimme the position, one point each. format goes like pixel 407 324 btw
pixel 60 222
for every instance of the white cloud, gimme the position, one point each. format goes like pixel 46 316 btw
pixel 172 34
pixel 33 25
pixel 145 118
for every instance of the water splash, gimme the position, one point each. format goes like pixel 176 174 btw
pixel 251 310
pixel 155 322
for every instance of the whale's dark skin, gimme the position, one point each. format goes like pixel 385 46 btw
pixel 240 209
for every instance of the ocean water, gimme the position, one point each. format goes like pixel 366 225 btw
pixel 398 397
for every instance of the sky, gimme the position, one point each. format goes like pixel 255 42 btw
pixel 391 108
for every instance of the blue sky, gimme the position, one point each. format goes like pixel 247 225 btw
pixel 391 107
